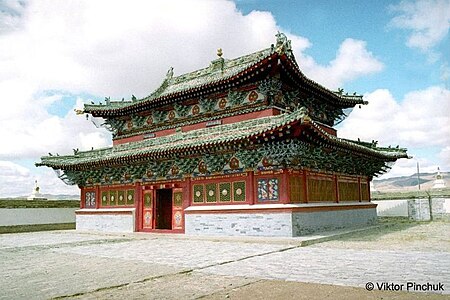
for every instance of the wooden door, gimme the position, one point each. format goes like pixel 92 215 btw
pixel 147 211
pixel 177 209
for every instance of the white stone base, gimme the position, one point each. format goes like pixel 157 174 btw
pixel 106 220
pixel 264 220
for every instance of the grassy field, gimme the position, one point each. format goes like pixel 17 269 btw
pixel 36 227
pixel 410 194
pixel 17 203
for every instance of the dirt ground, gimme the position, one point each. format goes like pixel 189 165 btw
pixel 272 289
pixel 398 234
pixel 395 234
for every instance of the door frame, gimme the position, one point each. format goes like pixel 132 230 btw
pixel 151 189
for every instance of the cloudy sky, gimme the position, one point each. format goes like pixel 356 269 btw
pixel 56 55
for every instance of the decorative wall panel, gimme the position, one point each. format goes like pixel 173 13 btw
pixel 239 191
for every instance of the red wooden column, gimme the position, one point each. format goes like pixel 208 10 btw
pixel 97 196
pixel 359 189
pixel 305 185
pixel 368 189
pixel 138 206
pixel 284 187
pixel 187 195
pixel 250 195
pixel 336 188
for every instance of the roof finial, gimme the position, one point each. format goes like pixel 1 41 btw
pixel 219 52
pixel 283 44
pixel 169 74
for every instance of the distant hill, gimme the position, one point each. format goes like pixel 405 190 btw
pixel 409 183
pixel 50 197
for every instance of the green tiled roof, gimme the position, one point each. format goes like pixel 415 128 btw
pixel 196 140
pixel 220 71
pixel 216 72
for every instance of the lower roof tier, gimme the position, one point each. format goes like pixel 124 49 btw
pixel 289 139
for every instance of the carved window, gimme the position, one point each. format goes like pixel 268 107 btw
pixel 211 192
pixel 89 200
pixel 130 197
pixel 225 192
pixel 321 189
pixel 268 189
pixel 105 198
pixel 198 193
pixel 239 191
pixel 296 189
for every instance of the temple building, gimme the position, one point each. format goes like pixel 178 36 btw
pixel 245 146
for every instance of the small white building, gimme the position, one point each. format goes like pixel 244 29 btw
pixel 439 182
pixel 35 195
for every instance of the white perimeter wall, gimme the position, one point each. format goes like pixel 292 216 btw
pixel 106 220
pixel 392 208
pixel 31 216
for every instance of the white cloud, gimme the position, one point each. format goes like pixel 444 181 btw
pixel 407 167
pixel 421 120
pixel 18 181
pixel 352 60
pixel 428 20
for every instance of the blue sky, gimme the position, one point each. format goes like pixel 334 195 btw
pixel 57 55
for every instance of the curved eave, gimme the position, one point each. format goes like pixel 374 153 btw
pixel 345 101
pixel 210 87
pixel 354 147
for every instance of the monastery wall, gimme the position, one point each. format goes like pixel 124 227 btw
pixel 268 222
pixel 240 224
pixel 106 220
pixel 305 223
pixel 33 216
pixel 415 209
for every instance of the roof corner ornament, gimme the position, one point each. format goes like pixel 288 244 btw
pixel 169 73
pixel 108 100
pixel 283 44
pixel 219 52
pixel 78 111
pixel 133 98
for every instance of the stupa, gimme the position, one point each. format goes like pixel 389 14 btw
pixel 35 195
pixel 439 182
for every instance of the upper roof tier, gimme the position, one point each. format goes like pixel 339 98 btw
pixel 221 75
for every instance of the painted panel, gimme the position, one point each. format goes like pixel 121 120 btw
pixel 239 191
pixel 177 208
pixel 147 213
pixel 130 197
pixel 211 192
pixel 198 193
pixel 268 189
pixel 112 198
pixel 225 192
pixel 105 198
pixel 121 197
pixel 178 199
pixel 89 199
